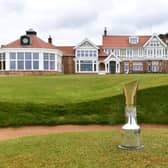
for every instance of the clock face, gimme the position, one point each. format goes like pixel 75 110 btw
pixel 25 40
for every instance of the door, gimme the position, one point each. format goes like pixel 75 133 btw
pixel 112 67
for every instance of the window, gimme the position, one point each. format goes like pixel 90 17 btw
pixel 35 61
pixel 12 57
pixel 86 66
pixel 122 52
pixel 24 61
pixel 137 66
pixel 94 53
pixel 46 61
pixel 86 53
pixel 82 53
pixel 133 40
pixel 155 66
pixel 159 52
pixel 150 52
pixel 20 60
pixel 117 52
pixel 140 52
pixel 49 61
pixel 78 53
pixel 28 61
pixel 135 52
pixel 129 53
pixel 52 61
pixel 126 67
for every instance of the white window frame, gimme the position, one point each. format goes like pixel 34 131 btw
pixel 137 66
pixel 126 67
pixel 133 40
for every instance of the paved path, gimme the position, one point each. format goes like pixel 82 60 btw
pixel 12 133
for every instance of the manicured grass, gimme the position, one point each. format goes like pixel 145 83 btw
pixel 79 99
pixel 85 150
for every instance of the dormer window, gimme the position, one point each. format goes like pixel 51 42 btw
pixel 133 40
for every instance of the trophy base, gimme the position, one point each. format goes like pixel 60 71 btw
pixel 131 140
pixel 130 147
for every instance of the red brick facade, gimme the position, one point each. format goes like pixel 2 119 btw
pixel 147 66
pixel 68 65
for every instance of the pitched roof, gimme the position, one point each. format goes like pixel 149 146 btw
pixel 88 41
pixel 36 42
pixel 122 41
pixel 67 50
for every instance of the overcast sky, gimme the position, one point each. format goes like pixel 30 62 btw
pixel 70 21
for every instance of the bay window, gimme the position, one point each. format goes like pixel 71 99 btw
pixel 24 61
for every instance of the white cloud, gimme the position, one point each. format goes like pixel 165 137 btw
pixel 69 21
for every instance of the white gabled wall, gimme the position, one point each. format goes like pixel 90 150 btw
pixel 86 46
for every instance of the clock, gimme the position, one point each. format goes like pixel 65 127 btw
pixel 25 40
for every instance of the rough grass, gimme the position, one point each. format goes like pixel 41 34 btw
pixel 85 150
pixel 79 99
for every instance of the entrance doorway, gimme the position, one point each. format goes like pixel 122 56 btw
pixel 112 67
pixel 101 66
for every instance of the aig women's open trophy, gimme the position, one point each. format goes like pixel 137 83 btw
pixel 131 130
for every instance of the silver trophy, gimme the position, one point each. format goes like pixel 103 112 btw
pixel 131 130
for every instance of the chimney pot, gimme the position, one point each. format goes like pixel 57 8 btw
pixel 50 39
pixel 105 31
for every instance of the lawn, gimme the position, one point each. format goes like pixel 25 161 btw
pixel 85 150
pixel 79 99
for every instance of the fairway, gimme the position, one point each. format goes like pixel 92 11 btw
pixel 85 150
pixel 79 99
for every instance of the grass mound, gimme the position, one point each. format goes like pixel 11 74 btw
pixel 50 100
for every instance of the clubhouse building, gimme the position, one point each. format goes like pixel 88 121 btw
pixel 118 54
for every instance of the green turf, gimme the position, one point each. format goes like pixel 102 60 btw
pixel 79 99
pixel 85 150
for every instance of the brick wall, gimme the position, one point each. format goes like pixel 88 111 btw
pixel 68 65
pixel 162 64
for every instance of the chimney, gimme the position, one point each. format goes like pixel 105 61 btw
pixel 50 40
pixel 105 31
pixel 31 32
